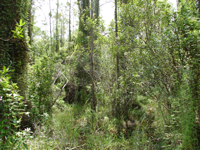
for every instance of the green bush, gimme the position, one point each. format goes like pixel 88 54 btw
pixel 11 107
pixel 40 87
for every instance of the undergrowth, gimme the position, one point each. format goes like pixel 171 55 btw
pixel 70 127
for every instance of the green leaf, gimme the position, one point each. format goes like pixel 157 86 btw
pixel 4 68
pixel 25 145
pixel 21 22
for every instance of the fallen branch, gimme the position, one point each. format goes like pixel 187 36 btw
pixel 57 76
pixel 63 86
pixel 6 39
pixel 75 147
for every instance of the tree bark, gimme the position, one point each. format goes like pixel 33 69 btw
pixel 97 11
pixel 91 61
pixel 70 21
pixel 57 37
pixel 50 23
pixel 30 21
pixel 118 110
pixel 13 52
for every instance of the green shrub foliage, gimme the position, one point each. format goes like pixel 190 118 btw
pixel 40 87
pixel 11 108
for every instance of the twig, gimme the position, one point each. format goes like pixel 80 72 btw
pixel 106 3
pixel 58 75
pixel 65 77
pixel 74 147
pixel 6 39
pixel 60 90
pixel 41 10
pixel 59 94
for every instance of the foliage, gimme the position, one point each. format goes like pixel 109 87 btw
pixel 11 110
pixel 71 128
pixel 162 45
pixel 18 31
pixel 156 91
pixel 40 87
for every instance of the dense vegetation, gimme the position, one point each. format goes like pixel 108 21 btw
pixel 135 85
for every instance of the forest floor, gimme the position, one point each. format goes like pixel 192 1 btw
pixel 70 128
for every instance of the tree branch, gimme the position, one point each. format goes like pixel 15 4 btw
pixel 74 147
pixel 6 39
pixel 60 90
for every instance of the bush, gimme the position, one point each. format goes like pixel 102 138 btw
pixel 11 107
pixel 40 87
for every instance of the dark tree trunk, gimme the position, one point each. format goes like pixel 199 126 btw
pixel 13 51
pixel 96 16
pixel 30 25
pixel 117 109
pixel 91 63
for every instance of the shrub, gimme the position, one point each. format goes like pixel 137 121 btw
pixel 11 107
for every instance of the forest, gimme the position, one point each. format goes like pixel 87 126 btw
pixel 131 85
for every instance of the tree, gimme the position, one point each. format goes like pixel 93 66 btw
pixel 30 21
pixel 50 31
pixel 94 103
pixel 57 36
pixel 70 22
pixel 13 47
pixel 96 16
pixel 82 74
pixel 118 109
pixel 84 13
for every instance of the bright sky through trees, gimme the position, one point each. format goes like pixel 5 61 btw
pixel 106 12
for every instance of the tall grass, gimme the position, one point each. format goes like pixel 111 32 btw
pixel 70 127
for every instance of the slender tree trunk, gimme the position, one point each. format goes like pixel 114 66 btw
pixel 97 11
pixel 57 37
pixel 116 35
pixel 50 15
pixel 30 22
pixel 62 34
pixel 70 21
pixel 91 61
pixel 118 110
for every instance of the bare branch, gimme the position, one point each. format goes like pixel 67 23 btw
pixel 6 39
pixel 74 147
pixel 106 3
pixel 57 76
pixel 61 89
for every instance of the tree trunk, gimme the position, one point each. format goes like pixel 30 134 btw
pixel 91 62
pixel 117 109
pixel 30 28
pixel 70 21
pixel 57 37
pixel 97 11
pixel 84 13
pixel 13 52
pixel 50 15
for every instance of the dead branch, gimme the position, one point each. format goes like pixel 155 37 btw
pixel 6 39
pixel 57 76
pixel 75 147
pixel 60 90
